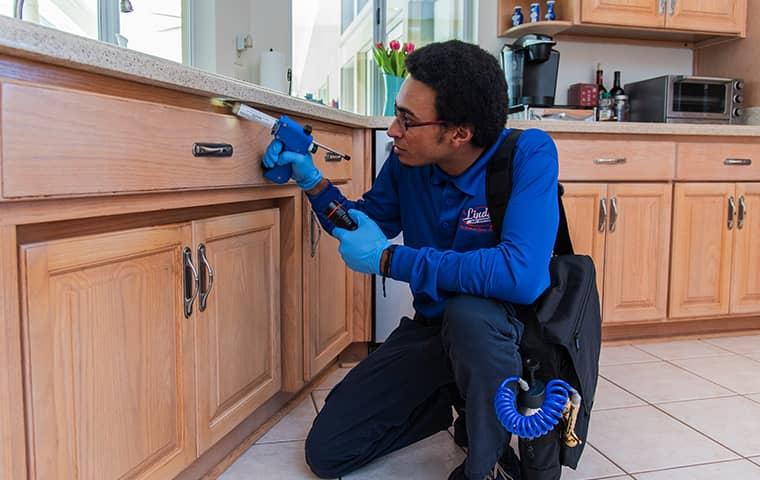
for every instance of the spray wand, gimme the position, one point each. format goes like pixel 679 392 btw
pixel 294 137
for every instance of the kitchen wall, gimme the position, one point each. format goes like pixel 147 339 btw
pixel 578 59
pixel 739 59
pixel 217 23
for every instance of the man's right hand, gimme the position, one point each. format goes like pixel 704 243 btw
pixel 305 174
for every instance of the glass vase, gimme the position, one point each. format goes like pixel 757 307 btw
pixel 392 86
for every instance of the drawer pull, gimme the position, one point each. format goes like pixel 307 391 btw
pixel 212 150
pixel 610 161
pixel 333 157
pixel 738 161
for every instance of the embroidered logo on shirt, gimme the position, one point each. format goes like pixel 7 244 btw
pixel 476 218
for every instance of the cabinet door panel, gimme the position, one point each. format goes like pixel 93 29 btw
pixel 328 297
pixel 728 16
pixel 745 282
pixel 584 202
pixel 636 258
pixel 238 334
pixel 701 257
pixel 110 356
pixel 636 13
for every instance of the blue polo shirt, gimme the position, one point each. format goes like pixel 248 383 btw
pixel 449 246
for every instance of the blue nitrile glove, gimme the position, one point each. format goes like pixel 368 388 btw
pixel 304 173
pixel 362 248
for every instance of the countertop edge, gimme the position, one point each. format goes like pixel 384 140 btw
pixel 35 42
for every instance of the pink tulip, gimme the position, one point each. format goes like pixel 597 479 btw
pixel 379 45
pixel 395 45
pixel 408 48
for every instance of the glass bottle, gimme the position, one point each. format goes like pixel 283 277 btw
pixel 617 89
pixel 600 81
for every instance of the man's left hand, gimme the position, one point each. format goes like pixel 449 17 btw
pixel 362 248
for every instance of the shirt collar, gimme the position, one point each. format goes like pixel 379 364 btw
pixel 469 181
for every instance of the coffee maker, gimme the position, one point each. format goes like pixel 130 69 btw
pixel 531 65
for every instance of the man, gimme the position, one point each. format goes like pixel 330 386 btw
pixel 463 340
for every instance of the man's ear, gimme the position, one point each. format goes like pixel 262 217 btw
pixel 462 135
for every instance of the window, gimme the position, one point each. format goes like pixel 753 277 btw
pixel 148 26
pixel 6 7
pixel 332 42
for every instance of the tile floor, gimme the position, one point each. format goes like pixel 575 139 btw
pixel 683 410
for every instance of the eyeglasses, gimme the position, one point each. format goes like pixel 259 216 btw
pixel 406 124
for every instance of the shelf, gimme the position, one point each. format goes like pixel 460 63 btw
pixel 591 32
pixel 545 28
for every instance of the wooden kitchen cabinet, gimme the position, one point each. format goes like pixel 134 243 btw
pixel 728 16
pixel 109 355
pixel 625 228
pixel 745 277
pixel 636 13
pixel 714 262
pixel 676 20
pixel 237 320
pixel 328 297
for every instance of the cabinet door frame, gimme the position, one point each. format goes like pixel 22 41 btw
pixel 594 193
pixel 51 402
pixel 317 356
pixel 745 290
pixel 228 413
pixel 619 281
pixel 732 18
pixel 605 12
pixel 687 264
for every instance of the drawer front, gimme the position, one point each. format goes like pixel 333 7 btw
pixel 58 142
pixel 592 157
pixel 738 160
pixel 339 139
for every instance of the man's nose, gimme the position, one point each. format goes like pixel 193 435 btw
pixel 395 130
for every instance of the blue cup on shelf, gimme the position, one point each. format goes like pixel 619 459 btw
pixel 517 17
pixel 535 12
pixel 550 14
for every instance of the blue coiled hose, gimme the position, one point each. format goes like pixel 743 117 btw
pixel 544 419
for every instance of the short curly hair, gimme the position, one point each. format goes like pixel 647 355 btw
pixel 469 84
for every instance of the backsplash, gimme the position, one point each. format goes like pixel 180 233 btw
pixel 751 116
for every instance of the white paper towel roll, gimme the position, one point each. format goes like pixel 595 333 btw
pixel 273 71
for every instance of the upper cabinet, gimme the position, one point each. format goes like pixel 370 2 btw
pixel 677 20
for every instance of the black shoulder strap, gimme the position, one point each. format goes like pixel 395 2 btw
pixel 499 189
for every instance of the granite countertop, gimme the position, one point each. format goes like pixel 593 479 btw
pixel 32 41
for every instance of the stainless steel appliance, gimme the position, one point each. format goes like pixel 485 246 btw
pixel 531 66
pixel 686 99
pixel 398 300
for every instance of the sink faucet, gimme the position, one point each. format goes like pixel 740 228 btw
pixel 18 9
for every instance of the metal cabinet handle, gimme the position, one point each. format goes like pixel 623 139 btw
pixel 212 150
pixel 188 282
pixel 742 213
pixel 613 213
pixel 314 223
pixel 610 161
pixel 204 287
pixel 602 214
pixel 661 10
pixel 731 211
pixel 672 7
pixel 745 162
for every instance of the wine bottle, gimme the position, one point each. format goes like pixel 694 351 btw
pixel 617 89
pixel 600 81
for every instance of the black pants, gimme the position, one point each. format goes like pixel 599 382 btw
pixel 403 392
